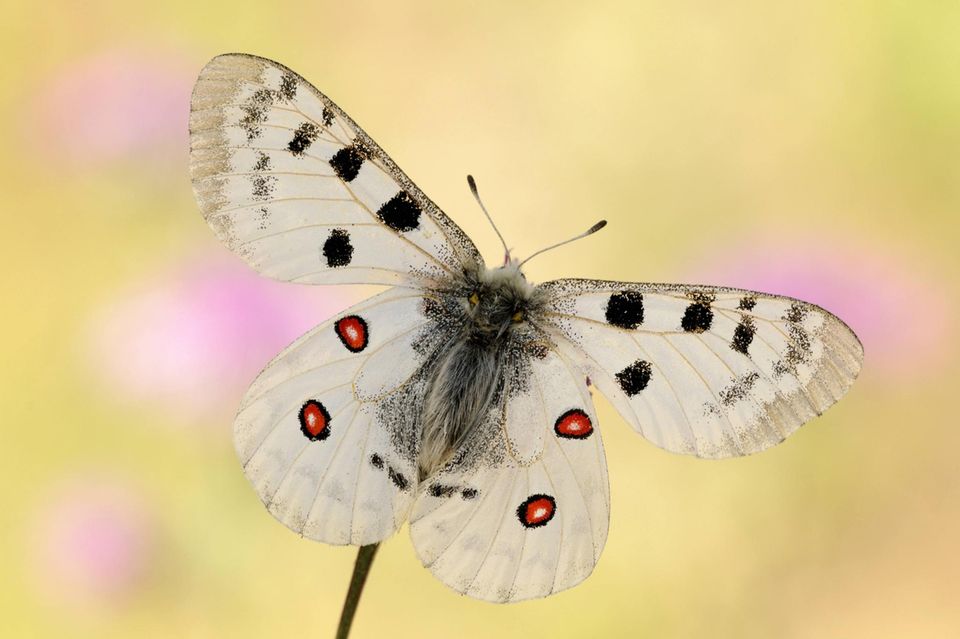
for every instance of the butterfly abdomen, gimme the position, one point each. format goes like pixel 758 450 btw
pixel 458 398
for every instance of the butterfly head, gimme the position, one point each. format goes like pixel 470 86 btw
pixel 497 301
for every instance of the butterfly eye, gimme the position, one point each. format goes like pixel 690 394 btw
pixel 518 316
pixel 474 299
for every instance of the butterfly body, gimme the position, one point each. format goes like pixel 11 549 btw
pixel 484 311
pixel 457 399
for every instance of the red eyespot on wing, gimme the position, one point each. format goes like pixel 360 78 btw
pixel 352 331
pixel 573 424
pixel 536 510
pixel 314 421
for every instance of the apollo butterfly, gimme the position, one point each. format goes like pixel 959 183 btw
pixel 458 398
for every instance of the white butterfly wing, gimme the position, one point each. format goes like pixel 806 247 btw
pixel 712 372
pixel 532 518
pixel 289 182
pixel 323 434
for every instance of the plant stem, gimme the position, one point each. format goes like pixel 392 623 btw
pixel 360 571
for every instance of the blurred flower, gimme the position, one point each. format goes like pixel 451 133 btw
pixel 92 542
pixel 114 104
pixel 190 340
pixel 899 312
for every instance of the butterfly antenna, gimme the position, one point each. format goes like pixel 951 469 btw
pixel 590 231
pixel 476 195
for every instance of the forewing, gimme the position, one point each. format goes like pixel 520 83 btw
pixel 289 182
pixel 513 527
pixel 712 372
pixel 332 456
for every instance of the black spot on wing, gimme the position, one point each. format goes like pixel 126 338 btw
pixel 635 377
pixel 738 389
pixel 798 349
pixel 747 302
pixel 397 478
pixel 346 163
pixel 288 86
pixel 263 186
pixel 304 136
pixel 743 334
pixel 625 309
pixel 795 313
pixel 327 116
pixel 400 212
pixel 255 112
pixel 449 490
pixel 337 249
pixel 263 162
pixel 697 318
pixel 799 346
pixel 442 490
pixel 376 461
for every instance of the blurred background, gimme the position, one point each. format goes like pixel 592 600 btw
pixel 809 149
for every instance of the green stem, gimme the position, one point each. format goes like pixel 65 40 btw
pixel 360 571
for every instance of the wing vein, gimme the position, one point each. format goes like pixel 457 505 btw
pixel 326 471
pixel 297 457
pixel 277 423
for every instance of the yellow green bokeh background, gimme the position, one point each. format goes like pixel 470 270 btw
pixel 812 146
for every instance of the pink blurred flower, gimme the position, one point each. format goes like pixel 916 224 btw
pixel 92 542
pixel 899 311
pixel 191 339
pixel 114 104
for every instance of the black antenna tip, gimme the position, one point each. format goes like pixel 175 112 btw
pixel 596 227
pixel 472 183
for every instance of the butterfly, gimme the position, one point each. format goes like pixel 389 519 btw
pixel 459 399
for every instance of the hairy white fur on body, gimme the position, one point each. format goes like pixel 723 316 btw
pixel 468 376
